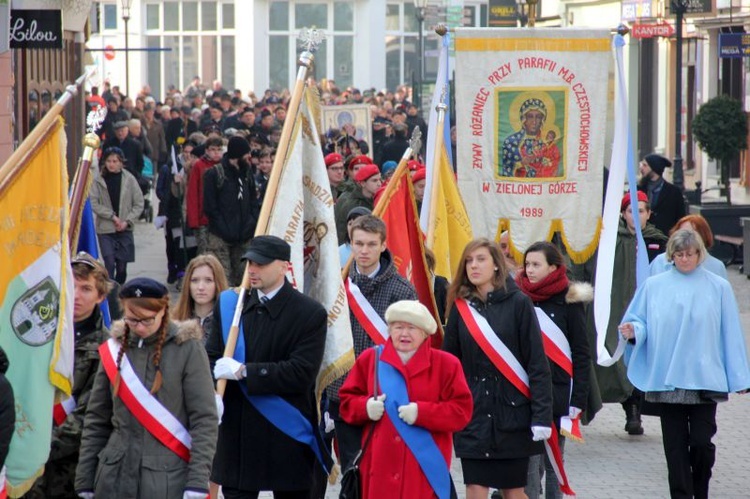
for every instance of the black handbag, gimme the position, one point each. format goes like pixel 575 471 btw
pixel 351 480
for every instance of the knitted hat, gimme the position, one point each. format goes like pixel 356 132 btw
pixel 237 147
pixel 366 172
pixel 388 167
pixel 657 163
pixel 626 200
pixel 412 312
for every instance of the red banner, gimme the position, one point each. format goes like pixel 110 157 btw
pixel 406 242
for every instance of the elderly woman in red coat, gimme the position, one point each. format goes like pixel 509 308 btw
pixel 421 398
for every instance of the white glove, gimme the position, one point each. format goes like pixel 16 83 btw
pixel 574 412
pixel 194 494
pixel 376 407
pixel 540 433
pixel 227 368
pixel 219 406
pixel 86 495
pixel 408 413
pixel 329 424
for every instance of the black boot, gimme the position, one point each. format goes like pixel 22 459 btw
pixel 633 418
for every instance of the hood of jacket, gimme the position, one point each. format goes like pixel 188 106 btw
pixel 178 331
pixel 579 292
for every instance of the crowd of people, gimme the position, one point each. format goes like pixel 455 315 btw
pixel 146 420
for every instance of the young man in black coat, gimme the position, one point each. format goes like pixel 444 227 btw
pixel 666 200
pixel 230 202
pixel 284 334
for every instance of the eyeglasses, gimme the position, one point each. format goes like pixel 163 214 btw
pixel 133 323
pixel 681 255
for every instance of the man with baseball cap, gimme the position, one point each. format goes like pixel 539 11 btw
pixel 368 182
pixel 269 399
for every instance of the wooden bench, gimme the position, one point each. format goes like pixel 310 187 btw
pixel 735 244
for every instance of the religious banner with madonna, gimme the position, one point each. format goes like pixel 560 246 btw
pixel 531 109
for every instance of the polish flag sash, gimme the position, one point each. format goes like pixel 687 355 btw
pixel 61 410
pixel 369 319
pixel 3 487
pixel 504 360
pixel 557 348
pixel 146 408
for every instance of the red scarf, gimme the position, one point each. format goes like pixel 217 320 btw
pixel 543 290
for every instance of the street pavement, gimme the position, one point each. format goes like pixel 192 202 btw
pixel 611 463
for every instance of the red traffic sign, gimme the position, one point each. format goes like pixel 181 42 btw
pixel 109 52
pixel 651 30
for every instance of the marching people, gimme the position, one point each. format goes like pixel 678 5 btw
pixel 508 426
pixel 559 305
pixel 419 388
pixel 92 285
pixel 151 423
pixel 613 381
pixel 204 282
pixel 700 225
pixel 117 202
pixel 231 206
pixel 269 399
pixel 686 352
pixel 213 150
pixel 374 282
pixel 666 201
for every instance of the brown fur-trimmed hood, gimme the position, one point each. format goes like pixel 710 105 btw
pixel 579 292
pixel 181 331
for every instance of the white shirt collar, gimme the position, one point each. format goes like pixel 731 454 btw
pixel 271 293
pixel 370 275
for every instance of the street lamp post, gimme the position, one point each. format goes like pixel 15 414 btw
pixel 126 18
pixel 419 11
pixel 678 7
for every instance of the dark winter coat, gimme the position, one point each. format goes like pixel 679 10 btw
pixel 230 217
pixel 284 342
pixel 119 457
pixel 500 427
pixel 133 151
pixel 435 382
pixel 394 149
pixel 566 309
pixel 7 409
pixel 668 209
pixel 386 288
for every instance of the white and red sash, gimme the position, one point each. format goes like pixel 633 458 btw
pixel 368 318
pixel 61 410
pixel 511 368
pixel 146 408
pixel 557 348
pixel 3 485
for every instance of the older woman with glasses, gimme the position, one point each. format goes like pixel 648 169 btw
pixel 151 423
pixel 686 352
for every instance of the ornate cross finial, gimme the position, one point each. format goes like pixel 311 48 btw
pixel 415 143
pixel 311 38
pixel 95 118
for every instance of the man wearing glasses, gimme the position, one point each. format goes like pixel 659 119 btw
pixel 335 169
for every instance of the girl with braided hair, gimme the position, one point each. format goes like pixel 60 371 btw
pixel 151 424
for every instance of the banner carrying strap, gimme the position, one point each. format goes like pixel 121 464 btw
pixel 142 404
pixel 368 318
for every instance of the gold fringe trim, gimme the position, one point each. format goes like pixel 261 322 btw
pixel 334 475
pixel 23 487
pixel 572 437
pixel 340 367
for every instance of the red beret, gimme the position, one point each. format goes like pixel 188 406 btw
pixel 626 200
pixel 414 165
pixel 366 172
pixel 420 174
pixel 359 160
pixel 332 158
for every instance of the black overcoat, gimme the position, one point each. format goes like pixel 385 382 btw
pixel 284 342
pixel 500 427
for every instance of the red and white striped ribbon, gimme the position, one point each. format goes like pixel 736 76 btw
pixel 3 484
pixel 146 408
pixel 511 368
pixel 61 410
pixel 368 318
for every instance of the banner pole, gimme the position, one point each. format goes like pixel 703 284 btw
pixel 439 143
pixel 311 39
